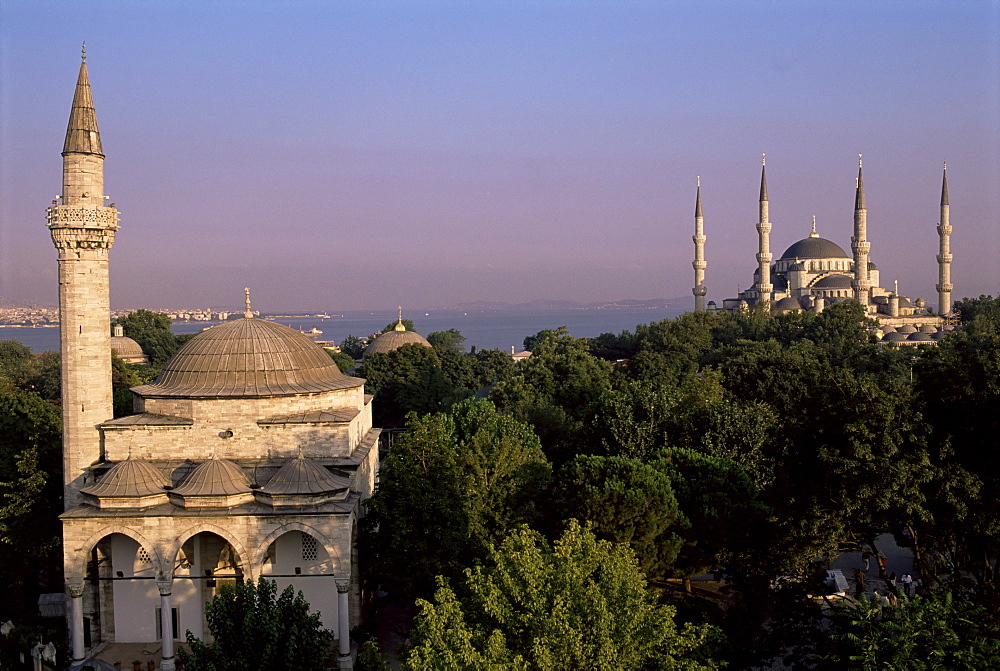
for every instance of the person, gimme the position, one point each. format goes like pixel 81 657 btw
pixel 859 582
pixel 866 558
pixel 906 580
pixel 891 599
pixel 891 580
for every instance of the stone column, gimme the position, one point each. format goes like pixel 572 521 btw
pixel 344 624
pixel 166 625
pixel 76 621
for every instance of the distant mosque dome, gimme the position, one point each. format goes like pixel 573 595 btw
pixel 125 348
pixel 394 339
pixel 814 248
pixel 248 358
pixel 787 304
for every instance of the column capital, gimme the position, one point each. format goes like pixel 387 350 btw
pixel 165 586
pixel 343 585
pixel 75 589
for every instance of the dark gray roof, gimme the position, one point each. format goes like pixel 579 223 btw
pixel 895 336
pixel 815 248
pixel 149 419
pixel 919 337
pixel 787 303
pixel 334 416
pixel 248 358
pixel 834 282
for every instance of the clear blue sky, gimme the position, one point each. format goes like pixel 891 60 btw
pixel 352 155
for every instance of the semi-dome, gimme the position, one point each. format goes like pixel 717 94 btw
pixel 833 282
pixel 814 248
pixel 248 358
pixel 394 339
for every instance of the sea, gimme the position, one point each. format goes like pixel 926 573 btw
pixel 483 329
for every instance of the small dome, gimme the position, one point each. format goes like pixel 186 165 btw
pixel 919 337
pixel 248 358
pixel 888 329
pixel 938 335
pixel 303 476
pixel 814 248
pixel 125 347
pixel 394 339
pixel 215 477
pixel 894 337
pixel 905 302
pixel 833 282
pixel 907 328
pixel 928 328
pixel 872 266
pixel 786 304
pixel 129 478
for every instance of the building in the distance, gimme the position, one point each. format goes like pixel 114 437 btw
pixel 815 272
pixel 250 455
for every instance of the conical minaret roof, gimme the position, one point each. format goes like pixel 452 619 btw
pixel 944 185
pixel 82 135
pixel 697 201
pixel 763 181
pixel 859 197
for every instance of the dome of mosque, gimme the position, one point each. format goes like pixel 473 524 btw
pixel 248 358
pixel 834 282
pixel 919 337
pixel 907 328
pixel 895 336
pixel 215 477
pixel 129 478
pixel 814 248
pixel 303 476
pixel 928 328
pixel 125 347
pixel 787 303
pixel 394 339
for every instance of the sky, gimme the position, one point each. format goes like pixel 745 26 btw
pixel 362 155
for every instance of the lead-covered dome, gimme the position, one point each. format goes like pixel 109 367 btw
pixel 248 358
pixel 394 339
pixel 814 248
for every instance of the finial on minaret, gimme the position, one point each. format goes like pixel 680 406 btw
pixel 763 160
pixel 399 324
pixel 895 287
pixel 83 52
pixel 698 179
pixel 814 234
pixel 248 312
pixel 859 161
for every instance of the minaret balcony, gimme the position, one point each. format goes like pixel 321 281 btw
pixel 67 216
pixel 944 258
pixel 943 230
pixel 944 288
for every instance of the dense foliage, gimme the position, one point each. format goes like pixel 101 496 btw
pixel 255 628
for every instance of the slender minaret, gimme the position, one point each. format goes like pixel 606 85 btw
pixel 764 231
pixel 699 264
pixel 859 243
pixel 944 285
pixel 83 230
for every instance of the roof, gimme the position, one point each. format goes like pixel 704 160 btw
pixel 129 478
pixel 82 135
pixel 833 282
pixel 787 303
pixel 215 477
pixel 394 339
pixel 303 476
pixel 125 347
pixel 248 358
pixel 815 248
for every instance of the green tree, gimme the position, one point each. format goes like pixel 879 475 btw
pixel 254 627
pixel 344 361
pixel 451 485
pixel 407 379
pixel 624 501
pixel 451 339
pixel 353 346
pixel 580 604
pixel 151 330
pixel 391 326
pixel 933 632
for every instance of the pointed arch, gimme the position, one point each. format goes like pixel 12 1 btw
pixel 331 548
pixel 76 560
pixel 240 548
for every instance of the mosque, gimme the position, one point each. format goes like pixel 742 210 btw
pixel 815 272
pixel 250 455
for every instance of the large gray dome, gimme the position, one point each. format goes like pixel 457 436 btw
pixel 248 357
pixel 815 248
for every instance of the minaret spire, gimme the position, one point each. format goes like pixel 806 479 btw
pixel 764 257
pixel 83 230
pixel 944 257
pixel 699 263
pixel 859 242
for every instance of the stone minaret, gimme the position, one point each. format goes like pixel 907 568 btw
pixel 699 264
pixel 83 230
pixel 944 285
pixel 860 245
pixel 764 230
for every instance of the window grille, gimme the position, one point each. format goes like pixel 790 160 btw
pixel 310 548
